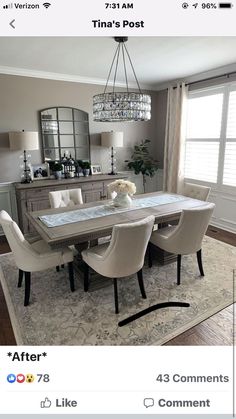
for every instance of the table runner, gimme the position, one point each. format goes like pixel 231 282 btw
pixel 83 214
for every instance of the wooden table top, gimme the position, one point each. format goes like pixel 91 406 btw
pixel 91 229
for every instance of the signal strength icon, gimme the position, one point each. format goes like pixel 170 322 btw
pixel 8 6
pixel 46 5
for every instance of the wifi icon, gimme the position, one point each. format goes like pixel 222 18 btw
pixel 46 5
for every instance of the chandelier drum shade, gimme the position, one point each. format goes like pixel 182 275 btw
pixel 121 106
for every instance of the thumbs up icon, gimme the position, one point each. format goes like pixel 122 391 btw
pixel 45 404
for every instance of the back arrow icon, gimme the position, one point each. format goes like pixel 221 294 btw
pixel 11 23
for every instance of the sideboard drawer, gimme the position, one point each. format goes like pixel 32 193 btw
pixel 37 193
pixel 92 186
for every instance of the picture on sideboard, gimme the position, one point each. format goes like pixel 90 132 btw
pixel 39 171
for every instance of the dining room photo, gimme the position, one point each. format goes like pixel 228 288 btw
pixel 117 191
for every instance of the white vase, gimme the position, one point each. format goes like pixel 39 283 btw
pixel 58 174
pixel 123 200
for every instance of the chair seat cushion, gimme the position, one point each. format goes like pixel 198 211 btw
pixel 31 238
pixel 93 257
pixel 96 250
pixel 64 255
pixel 159 237
pixel 162 232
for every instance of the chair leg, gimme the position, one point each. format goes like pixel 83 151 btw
pixel 57 269
pixel 20 278
pixel 178 269
pixel 199 261
pixel 141 284
pixel 71 276
pixel 149 255
pixel 116 296
pixel 27 288
pixel 86 277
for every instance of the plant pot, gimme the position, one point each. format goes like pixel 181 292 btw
pixel 86 172
pixel 58 174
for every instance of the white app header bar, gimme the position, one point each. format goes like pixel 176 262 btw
pixel 104 18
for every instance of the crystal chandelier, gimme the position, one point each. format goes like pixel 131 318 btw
pixel 121 106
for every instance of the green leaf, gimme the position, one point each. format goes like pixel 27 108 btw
pixel 141 160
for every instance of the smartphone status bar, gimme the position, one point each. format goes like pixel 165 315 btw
pixel 102 18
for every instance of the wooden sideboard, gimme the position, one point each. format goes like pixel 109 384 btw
pixel 35 196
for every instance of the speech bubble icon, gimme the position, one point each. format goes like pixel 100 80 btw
pixel 148 402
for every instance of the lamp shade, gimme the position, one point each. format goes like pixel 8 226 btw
pixel 24 140
pixel 112 139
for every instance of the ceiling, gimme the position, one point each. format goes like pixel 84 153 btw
pixel 157 60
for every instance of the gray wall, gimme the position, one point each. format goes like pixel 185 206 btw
pixel 22 97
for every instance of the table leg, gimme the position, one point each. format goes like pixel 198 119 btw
pixel 80 247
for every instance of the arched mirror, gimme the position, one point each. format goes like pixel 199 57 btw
pixel 65 131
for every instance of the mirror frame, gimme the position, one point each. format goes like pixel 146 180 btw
pixel 61 150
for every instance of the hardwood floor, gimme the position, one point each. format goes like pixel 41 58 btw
pixel 217 330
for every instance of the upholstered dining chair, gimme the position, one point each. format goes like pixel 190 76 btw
pixel 185 238
pixel 33 257
pixel 65 198
pixel 196 191
pixel 123 256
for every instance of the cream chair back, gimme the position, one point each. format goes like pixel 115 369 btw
pixel 125 254
pixel 31 257
pixel 20 247
pixel 187 236
pixel 196 191
pixel 65 198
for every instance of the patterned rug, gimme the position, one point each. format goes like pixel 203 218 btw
pixel 56 316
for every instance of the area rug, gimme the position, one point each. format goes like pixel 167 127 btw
pixel 56 316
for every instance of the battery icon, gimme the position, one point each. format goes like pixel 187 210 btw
pixel 225 5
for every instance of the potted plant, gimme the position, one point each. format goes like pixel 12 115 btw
pixel 86 166
pixel 142 162
pixel 57 169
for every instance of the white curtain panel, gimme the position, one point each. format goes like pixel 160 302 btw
pixel 175 138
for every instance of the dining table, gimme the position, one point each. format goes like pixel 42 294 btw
pixel 88 222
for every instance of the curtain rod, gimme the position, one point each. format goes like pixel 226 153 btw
pixel 208 79
pixel 211 78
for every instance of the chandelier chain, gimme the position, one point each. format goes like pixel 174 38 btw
pixel 111 68
pixel 117 61
pixel 127 52
pixel 126 78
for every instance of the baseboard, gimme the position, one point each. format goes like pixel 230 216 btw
pixel 223 226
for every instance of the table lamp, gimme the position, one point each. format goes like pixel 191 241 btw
pixel 24 140
pixel 112 139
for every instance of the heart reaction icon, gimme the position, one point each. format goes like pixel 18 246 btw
pixel 20 378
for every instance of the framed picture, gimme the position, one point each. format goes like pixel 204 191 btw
pixel 40 171
pixel 96 169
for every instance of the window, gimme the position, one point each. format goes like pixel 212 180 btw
pixel 210 152
pixel 229 174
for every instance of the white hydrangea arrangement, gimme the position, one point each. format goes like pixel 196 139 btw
pixel 122 186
